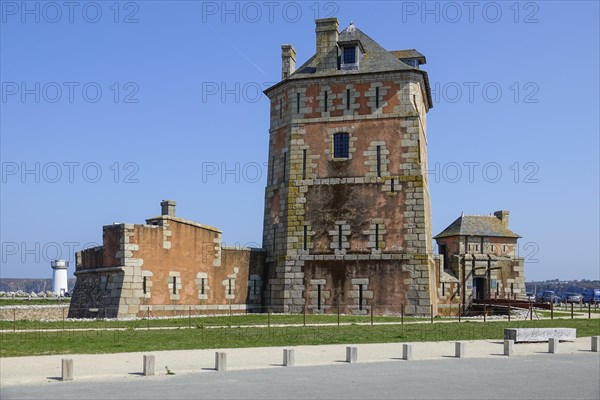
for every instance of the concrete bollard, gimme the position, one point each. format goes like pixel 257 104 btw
pixel 460 349
pixel 67 369
pixel 553 345
pixel 220 361
pixel 407 351
pixel 148 365
pixel 509 347
pixel 351 355
pixel 288 358
pixel 595 344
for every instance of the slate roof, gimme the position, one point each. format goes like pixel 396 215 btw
pixel 477 225
pixel 409 54
pixel 374 59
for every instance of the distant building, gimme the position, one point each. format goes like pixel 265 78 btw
pixel 478 260
pixel 59 277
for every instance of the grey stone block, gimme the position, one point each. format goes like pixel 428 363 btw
pixel 351 355
pixel 148 365
pixel 67 369
pixel 508 347
pixel 460 349
pixel 595 344
pixel 539 334
pixel 289 358
pixel 407 351
pixel 220 361
pixel 553 345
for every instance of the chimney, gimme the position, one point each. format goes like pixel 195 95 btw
pixel 327 37
pixel 288 60
pixel 503 217
pixel 167 207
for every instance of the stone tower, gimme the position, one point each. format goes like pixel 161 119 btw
pixel 347 210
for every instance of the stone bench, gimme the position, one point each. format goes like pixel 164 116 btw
pixel 539 334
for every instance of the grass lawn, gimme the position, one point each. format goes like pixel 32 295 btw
pixel 185 322
pixel 139 339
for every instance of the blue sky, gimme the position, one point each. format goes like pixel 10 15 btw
pixel 106 110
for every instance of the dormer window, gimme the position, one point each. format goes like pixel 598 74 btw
pixel 349 59
pixel 350 55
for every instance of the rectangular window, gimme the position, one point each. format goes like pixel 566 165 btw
pixel 174 285
pixel 377 97
pixel 325 101
pixel 144 285
pixel 341 145
pixel 304 164
pixel 443 289
pixel 339 237
pixel 284 165
pixel 202 286
pixel 347 99
pixel 350 55
pixel 305 238
pixel 512 288
pixel 376 236
pixel 298 103
pixel 393 189
pixel 379 161
pixel 230 287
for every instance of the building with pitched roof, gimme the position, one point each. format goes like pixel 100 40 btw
pixel 347 217
pixel 478 260
pixel 347 221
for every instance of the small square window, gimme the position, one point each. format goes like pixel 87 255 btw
pixel 341 145
pixel 349 55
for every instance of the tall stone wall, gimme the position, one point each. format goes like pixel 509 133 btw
pixel 322 209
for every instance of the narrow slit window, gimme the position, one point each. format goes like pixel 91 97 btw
pixel 339 237
pixel 512 288
pixel 272 169
pixel 376 236
pixel 280 108
pixel 360 297
pixel 379 161
pixel 284 165
pixel 347 99
pixel 174 285
pixel 341 145
pixel 305 238
pixel 230 288
pixel 298 103
pixel 392 188
pixel 325 101
pixel 304 164
pixel 443 289
pixel 144 285
pixel 377 97
pixel 319 297
pixel 202 286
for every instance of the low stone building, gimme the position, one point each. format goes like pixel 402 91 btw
pixel 163 267
pixel 478 260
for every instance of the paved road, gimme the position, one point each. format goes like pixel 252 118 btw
pixel 561 376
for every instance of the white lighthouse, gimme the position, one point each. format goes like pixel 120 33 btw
pixel 59 277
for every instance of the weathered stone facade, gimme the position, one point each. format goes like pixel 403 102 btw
pixel 168 264
pixel 364 216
